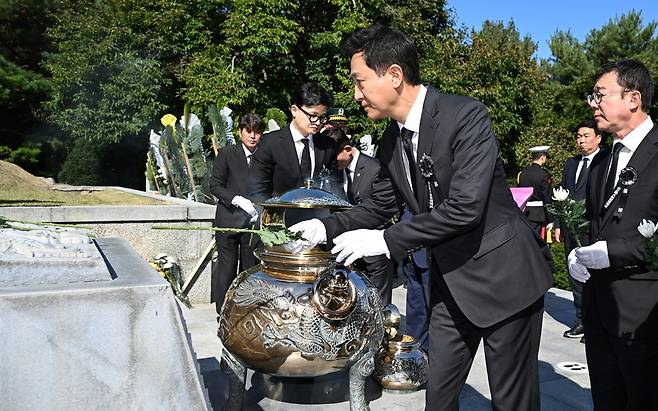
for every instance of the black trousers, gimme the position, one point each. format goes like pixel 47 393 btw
pixel 575 285
pixel 379 271
pixel 623 372
pixel 232 249
pixel 510 348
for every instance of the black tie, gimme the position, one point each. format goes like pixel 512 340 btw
pixel 409 151
pixel 350 193
pixel 583 172
pixel 612 174
pixel 305 164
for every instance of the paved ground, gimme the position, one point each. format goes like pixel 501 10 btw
pixel 561 390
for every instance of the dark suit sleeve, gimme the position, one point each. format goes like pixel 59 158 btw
pixel 374 211
pixel 219 176
pixel 475 154
pixel 624 252
pixel 261 170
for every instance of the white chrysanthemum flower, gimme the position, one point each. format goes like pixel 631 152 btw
pixel 560 194
pixel 647 228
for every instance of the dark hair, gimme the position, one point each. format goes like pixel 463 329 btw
pixel 311 94
pixel 252 122
pixel 537 155
pixel 589 123
pixel 383 47
pixel 631 75
pixel 339 136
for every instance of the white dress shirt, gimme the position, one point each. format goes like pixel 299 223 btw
pixel 297 138
pixel 413 124
pixel 352 167
pixel 631 141
pixel 247 153
pixel 589 162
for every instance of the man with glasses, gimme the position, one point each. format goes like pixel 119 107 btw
pixel 620 295
pixel 574 179
pixel 293 154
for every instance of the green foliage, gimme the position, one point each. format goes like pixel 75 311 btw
pixel 277 115
pixel 26 157
pixel 560 140
pixel 105 83
pixel 83 164
pixel 561 274
pixel 573 65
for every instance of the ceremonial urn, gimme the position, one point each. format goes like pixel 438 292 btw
pixel 400 365
pixel 300 315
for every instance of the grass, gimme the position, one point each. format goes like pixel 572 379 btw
pixel 20 188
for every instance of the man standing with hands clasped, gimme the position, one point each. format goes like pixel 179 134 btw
pixel 489 270
pixel 574 179
pixel 620 295
pixel 228 182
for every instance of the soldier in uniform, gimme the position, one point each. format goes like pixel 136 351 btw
pixel 539 179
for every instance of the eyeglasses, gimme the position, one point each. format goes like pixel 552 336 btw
pixel 314 118
pixel 597 96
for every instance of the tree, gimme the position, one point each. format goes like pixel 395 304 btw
pixel 105 83
pixel 574 64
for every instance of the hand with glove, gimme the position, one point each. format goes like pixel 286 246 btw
pixel 576 269
pixel 246 206
pixel 314 233
pixel 594 256
pixel 353 245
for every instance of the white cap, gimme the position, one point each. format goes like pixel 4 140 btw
pixel 539 149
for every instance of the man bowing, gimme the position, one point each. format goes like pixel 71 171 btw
pixel 489 270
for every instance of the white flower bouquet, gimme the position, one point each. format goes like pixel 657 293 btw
pixel 570 213
pixel 648 230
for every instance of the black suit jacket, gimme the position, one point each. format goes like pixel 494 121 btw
pixel 626 294
pixel 365 172
pixel 477 238
pixel 569 176
pixel 275 167
pixel 228 178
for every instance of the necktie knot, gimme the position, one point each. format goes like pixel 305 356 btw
pixel 406 134
pixel 617 148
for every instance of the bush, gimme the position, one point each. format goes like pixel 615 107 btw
pixel 277 115
pixel 561 275
pixel 82 166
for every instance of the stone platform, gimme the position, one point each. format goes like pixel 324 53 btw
pixel 114 341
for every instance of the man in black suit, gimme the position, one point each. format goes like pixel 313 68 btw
pixel 359 171
pixel 228 182
pixel 620 298
pixel 489 269
pixel 574 178
pixel 289 156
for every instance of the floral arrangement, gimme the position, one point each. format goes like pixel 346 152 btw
pixel 170 270
pixel 570 213
pixel 648 230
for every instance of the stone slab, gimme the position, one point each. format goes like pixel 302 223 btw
pixel 119 344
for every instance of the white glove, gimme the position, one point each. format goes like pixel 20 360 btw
pixel 576 269
pixel 313 231
pixel 594 256
pixel 353 245
pixel 246 206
